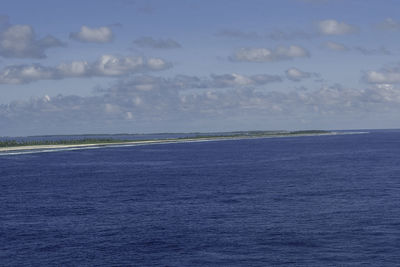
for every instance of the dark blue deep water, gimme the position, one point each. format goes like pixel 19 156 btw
pixel 301 201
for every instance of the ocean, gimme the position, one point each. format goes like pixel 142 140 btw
pixel 292 201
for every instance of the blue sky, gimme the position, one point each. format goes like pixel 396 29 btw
pixel 167 66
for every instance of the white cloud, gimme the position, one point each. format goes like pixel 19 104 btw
pixel 156 64
pixel 164 103
pixel 333 27
pixel 109 65
pixel 74 69
pixel 185 83
pixel 233 79
pixel 20 41
pixel 105 66
pixel 239 80
pixel 268 55
pixel 93 35
pixel 253 55
pixel 296 75
pixel 112 66
pixel 25 74
pixel 386 76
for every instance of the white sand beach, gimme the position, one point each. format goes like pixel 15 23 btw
pixel 48 148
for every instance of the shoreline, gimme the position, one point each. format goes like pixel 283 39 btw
pixel 49 148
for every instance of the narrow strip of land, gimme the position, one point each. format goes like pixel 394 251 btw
pixel 99 143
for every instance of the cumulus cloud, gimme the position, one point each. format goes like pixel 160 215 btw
pixel 158 95
pixel 20 41
pixel 93 35
pixel 333 27
pixel 269 55
pixel 25 74
pixel 237 80
pixel 297 75
pixel 109 65
pixel 186 82
pixel 384 76
pixel 149 42
pixel 105 66
pixel 135 105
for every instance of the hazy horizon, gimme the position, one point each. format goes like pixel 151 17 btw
pixel 195 132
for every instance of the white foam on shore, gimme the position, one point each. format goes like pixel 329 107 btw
pixel 38 150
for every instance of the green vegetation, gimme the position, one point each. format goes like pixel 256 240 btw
pixel 13 143
pixel 255 134
pixel 310 132
pixel 99 141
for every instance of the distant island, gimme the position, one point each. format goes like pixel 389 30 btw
pixel 93 140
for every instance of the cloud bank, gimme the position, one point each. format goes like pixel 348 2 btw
pixel 269 55
pixel 148 101
pixel 105 66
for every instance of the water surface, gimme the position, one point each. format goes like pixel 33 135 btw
pixel 303 201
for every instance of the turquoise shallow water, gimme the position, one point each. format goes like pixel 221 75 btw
pixel 303 201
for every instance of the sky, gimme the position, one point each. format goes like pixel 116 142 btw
pixel 146 66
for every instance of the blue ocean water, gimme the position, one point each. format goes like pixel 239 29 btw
pixel 300 201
